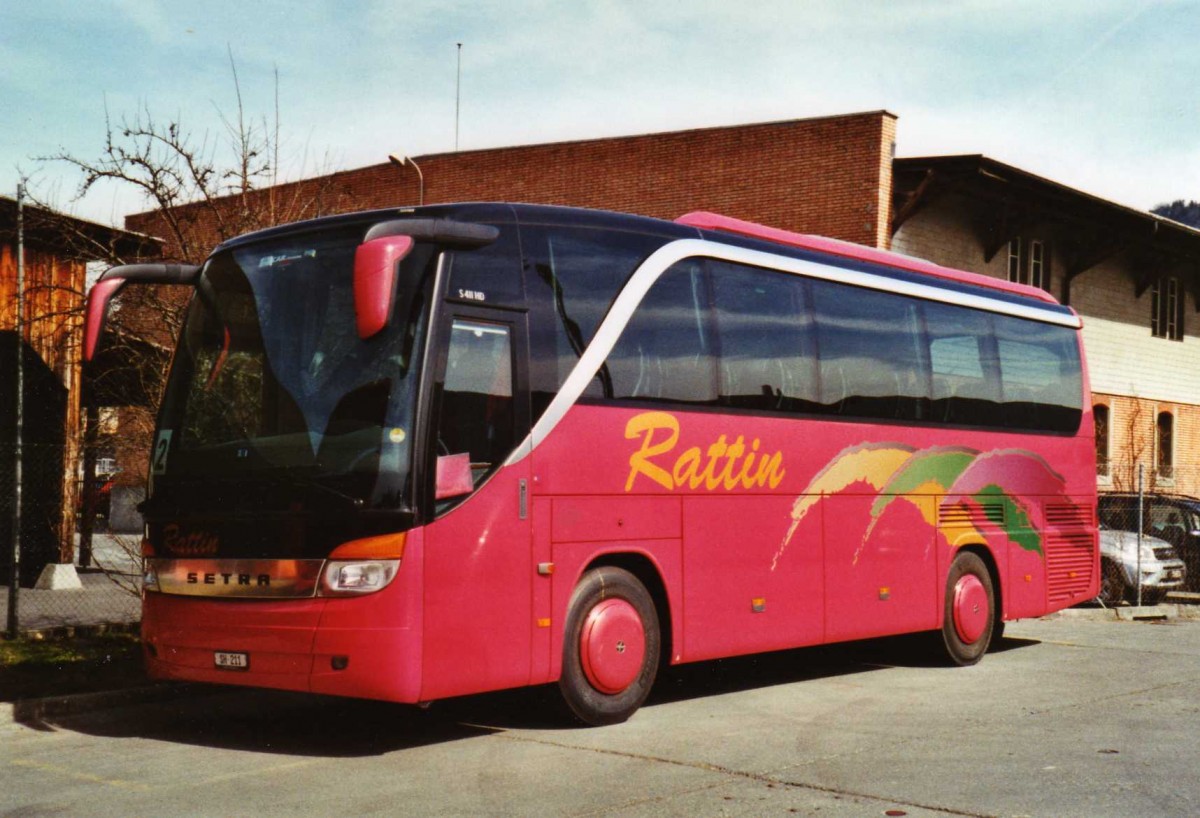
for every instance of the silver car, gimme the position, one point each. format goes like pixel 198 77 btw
pixel 1162 570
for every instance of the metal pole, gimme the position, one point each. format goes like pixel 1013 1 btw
pixel 15 577
pixel 457 91
pixel 1141 522
pixel 87 523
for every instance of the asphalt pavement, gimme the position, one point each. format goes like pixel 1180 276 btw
pixel 1082 714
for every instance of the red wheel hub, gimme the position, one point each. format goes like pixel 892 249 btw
pixel 612 645
pixel 970 608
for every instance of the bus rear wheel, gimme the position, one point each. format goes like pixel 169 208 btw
pixel 969 618
pixel 611 646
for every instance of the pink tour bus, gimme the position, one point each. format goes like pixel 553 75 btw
pixel 419 453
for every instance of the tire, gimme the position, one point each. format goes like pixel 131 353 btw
pixel 1113 587
pixel 611 647
pixel 969 614
pixel 997 634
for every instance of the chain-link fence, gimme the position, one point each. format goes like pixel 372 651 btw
pixel 49 579
pixel 1149 543
pixel 1150 537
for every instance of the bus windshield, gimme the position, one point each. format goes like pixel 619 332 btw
pixel 272 381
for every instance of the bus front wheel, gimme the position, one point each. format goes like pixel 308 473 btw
pixel 611 645
pixel 970 611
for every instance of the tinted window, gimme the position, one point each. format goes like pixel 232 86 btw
pixel 476 411
pixel 572 276
pixel 666 350
pixel 270 374
pixel 765 331
pixel 1118 513
pixel 1041 376
pixel 871 356
pixel 775 342
pixel 489 275
pixel 965 380
pixel 1168 521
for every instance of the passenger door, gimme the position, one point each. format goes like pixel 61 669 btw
pixel 477 581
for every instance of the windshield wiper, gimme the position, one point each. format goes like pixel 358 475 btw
pixel 312 482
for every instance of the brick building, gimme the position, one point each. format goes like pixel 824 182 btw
pixel 1134 277
pixel 829 175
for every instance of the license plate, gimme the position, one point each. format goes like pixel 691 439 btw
pixel 1174 573
pixel 232 661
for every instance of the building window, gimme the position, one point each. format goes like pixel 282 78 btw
pixel 1103 464
pixel 1028 263
pixel 1014 259
pixel 1037 265
pixel 1166 309
pixel 1164 449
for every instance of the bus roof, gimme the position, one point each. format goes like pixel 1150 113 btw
pixel 697 224
pixel 858 252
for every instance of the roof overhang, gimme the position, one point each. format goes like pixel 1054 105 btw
pixel 1014 201
pixel 69 237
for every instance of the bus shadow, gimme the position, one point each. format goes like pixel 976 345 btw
pixel 272 722
pixel 305 725
pixel 542 708
pixel 744 673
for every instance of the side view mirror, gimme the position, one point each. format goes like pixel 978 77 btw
pixel 111 283
pixel 98 299
pixel 384 246
pixel 375 265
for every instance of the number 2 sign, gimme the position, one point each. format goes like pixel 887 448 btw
pixel 161 446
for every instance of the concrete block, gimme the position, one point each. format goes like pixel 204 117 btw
pixel 58 577
pixel 1146 612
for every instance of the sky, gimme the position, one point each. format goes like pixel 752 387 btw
pixel 1100 95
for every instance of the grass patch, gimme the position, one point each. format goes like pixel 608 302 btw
pixel 34 668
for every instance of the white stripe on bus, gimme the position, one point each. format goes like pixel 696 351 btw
pixel 668 255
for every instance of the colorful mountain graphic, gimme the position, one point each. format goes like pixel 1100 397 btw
pixel 966 484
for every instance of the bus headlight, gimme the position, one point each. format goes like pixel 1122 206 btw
pixel 349 578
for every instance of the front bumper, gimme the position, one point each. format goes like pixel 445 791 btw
pixel 1162 576
pixel 363 647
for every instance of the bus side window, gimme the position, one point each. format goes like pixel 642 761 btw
pixel 476 409
pixel 871 357
pixel 572 275
pixel 1040 375
pixel 490 275
pixel 768 359
pixel 966 379
pixel 666 350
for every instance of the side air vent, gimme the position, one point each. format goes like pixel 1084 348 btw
pixel 964 516
pixel 1070 561
pixel 1070 551
pixel 1068 515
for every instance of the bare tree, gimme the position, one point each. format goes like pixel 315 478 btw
pixel 200 187
pixel 1138 434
